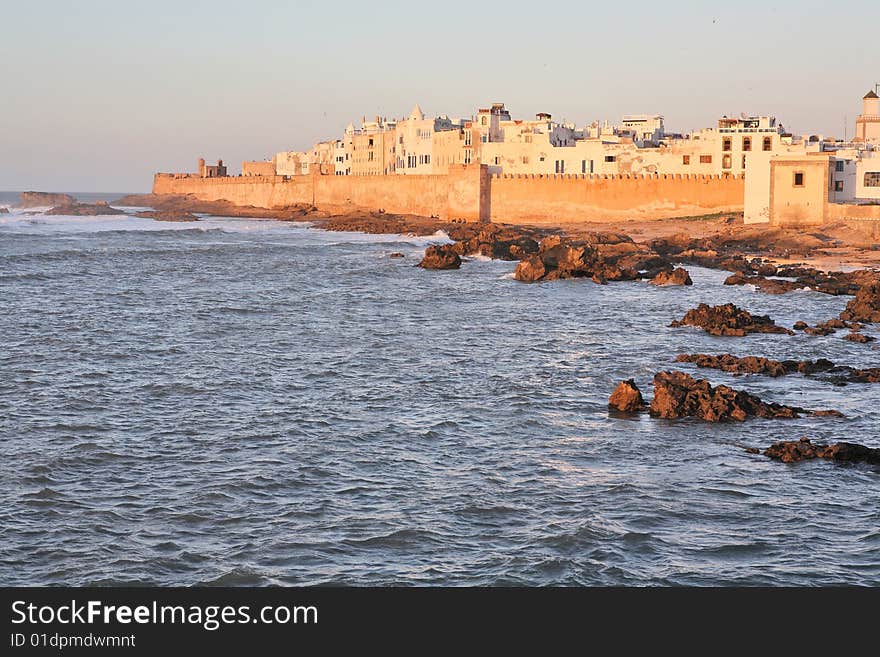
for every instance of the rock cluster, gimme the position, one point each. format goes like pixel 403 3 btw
pixel 440 256
pixel 728 320
pixel 767 285
pixel 791 451
pixel 167 215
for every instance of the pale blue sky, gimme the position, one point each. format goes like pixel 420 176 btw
pixel 97 95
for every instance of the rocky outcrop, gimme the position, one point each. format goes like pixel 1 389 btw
pixel 626 398
pixel 678 395
pixel 601 257
pixel 396 254
pixel 4 210
pixel 167 215
pixel 441 256
pixel 866 306
pixel 85 210
pixel 678 276
pixel 792 451
pixel 496 241
pixel 859 338
pixel 44 199
pixel 728 320
pixel 822 368
pixel 766 285
pixel 735 365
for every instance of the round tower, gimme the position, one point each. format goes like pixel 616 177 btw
pixel 202 167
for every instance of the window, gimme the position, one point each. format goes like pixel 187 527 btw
pixel 705 159
pixel 799 179
pixel 525 159
pixel 685 159
pixel 467 138
pixel 610 158
pixel 370 157
pixel 872 178
pixel 371 142
pixel 725 161
pixel 725 145
pixel 560 166
pixel 528 139
pixel 768 143
pixel 747 143
pixel 467 157
pixel 484 138
pixel 838 166
pixel 483 120
pixel 497 160
pixel 838 185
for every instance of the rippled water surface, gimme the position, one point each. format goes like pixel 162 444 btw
pixel 252 402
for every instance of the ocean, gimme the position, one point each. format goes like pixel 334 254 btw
pixel 251 402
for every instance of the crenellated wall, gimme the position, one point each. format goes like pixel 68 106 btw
pixel 528 198
pixel 469 192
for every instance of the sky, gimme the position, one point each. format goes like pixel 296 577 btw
pixel 98 95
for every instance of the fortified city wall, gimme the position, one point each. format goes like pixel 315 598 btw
pixel 470 193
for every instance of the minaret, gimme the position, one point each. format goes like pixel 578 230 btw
pixel 868 122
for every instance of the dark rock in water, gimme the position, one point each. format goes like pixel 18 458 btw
pixel 84 209
pixel 396 254
pixel 167 215
pixel 819 330
pixel 730 363
pixel 860 338
pixel 677 276
pixel 43 199
pixel 678 395
pixel 530 270
pixel 866 306
pixel 4 210
pixel 825 369
pixel 767 285
pixel 800 326
pixel 791 451
pixel 441 256
pixel 626 398
pixel 729 320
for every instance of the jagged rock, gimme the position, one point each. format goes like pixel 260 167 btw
pixel 626 397
pixel 729 320
pixel 678 395
pixel 4 210
pixel 440 256
pixel 791 451
pixel 819 330
pixel 860 338
pixel 730 363
pixel 800 326
pixel 838 374
pixel 766 285
pixel 396 254
pixel 679 276
pixel 866 306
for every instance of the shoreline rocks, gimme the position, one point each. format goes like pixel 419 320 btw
pixel 793 451
pixel 728 320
